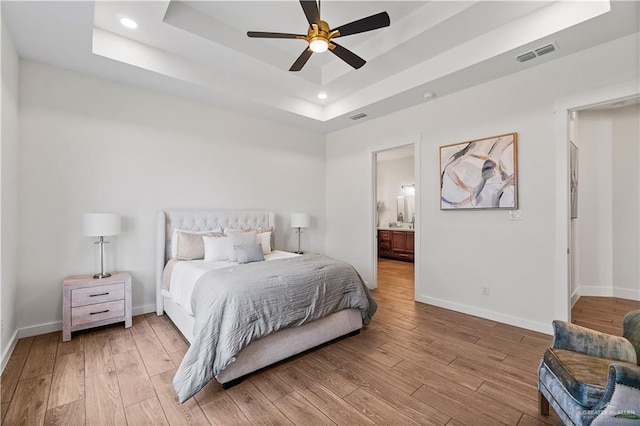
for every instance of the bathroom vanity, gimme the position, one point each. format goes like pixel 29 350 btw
pixel 396 243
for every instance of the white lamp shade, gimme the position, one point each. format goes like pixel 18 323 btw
pixel 101 224
pixel 300 220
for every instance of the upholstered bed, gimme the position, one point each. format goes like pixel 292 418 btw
pixel 262 352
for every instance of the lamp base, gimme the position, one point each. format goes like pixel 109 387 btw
pixel 102 275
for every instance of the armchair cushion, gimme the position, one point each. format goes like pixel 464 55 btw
pixel 583 376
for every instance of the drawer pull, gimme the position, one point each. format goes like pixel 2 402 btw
pixel 101 294
pixel 101 312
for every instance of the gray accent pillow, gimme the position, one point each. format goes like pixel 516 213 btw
pixel 249 253
pixel 239 238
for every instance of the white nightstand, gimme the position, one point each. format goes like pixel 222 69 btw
pixel 88 302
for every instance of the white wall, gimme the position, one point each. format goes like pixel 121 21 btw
pixel 626 202
pixel 8 193
pixel 391 175
pixel 608 222
pixel 463 250
pixel 88 144
pixel 594 222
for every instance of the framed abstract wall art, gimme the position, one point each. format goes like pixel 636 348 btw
pixel 480 174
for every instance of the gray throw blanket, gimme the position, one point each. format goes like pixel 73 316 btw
pixel 236 305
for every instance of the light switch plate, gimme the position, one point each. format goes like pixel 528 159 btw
pixel 515 215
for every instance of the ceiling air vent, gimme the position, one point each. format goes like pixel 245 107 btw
pixel 358 116
pixel 526 57
pixel 545 49
pixel 552 47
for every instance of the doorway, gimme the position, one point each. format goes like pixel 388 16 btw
pixel 605 227
pixel 395 213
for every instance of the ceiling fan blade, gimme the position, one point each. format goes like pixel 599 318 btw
pixel 373 22
pixel 259 34
pixel 347 55
pixel 302 59
pixel 311 11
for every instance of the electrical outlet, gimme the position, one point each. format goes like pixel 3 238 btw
pixel 515 215
pixel 485 290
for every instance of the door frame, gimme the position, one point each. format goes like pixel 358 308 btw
pixel 402 141
pixel 562 110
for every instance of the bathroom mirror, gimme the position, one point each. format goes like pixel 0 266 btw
pixel 406 208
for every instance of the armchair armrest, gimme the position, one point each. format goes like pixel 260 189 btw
pixel 631 326
pixel 593 343
pixel 621 401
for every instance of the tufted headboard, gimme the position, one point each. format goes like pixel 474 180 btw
pixel 201 220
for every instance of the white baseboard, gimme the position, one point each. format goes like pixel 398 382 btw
pixel 598 291
pixel 575 296
pixel 143 309
pixel 36 330
pixel 6 354
pixel 595 291
pixel 624 293
pixel 485 313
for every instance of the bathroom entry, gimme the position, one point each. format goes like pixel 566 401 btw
pixel 395 217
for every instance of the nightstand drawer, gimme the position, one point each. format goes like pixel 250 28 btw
pixel 98 312
pixel 97 294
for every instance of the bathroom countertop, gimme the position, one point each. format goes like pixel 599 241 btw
pixel 386 228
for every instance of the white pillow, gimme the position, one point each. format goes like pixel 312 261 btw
pixel 239 239
pixel 179 244
pixel 215 248
pixel 264 239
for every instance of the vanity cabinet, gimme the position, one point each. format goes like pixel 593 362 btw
pixel 398 245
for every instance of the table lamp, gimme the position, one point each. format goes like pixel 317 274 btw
pixel 299 221
pixel 101 225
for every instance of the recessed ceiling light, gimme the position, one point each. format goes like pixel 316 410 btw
pixel 129 23
pixel 429 95
pixel 322 95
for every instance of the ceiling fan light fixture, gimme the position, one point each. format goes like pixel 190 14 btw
pixel 318 45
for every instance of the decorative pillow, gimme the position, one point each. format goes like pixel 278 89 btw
pixel 267 229
pixel 249 253
pixel 264 239
pixel 189 245
pixel 215 248
pixel 239 238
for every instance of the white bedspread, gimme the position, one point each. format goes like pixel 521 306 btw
pixel 186 273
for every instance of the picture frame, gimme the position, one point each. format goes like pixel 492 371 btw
pixel 573 179
pixel 480 174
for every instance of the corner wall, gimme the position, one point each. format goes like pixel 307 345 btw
pixel 8 193
pixel 463 250
pixel 89 144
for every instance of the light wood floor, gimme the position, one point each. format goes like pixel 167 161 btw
pixel 415 364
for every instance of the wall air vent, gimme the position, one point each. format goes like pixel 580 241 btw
pixel 358 116
pixel 552 47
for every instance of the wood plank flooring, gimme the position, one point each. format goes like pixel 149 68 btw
pixel 415 364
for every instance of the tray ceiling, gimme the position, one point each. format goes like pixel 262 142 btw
pixel 200 49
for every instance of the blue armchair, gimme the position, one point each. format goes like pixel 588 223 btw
pixel 592 378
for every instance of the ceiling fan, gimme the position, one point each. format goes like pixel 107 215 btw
pixel 320 36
